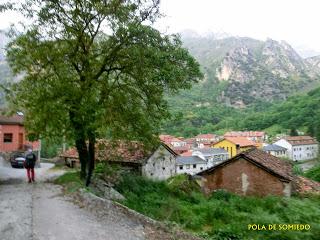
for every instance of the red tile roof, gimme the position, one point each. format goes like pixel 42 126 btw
pixel 241 141
pixel 304 185
pixel 187 153
pixel 263 160
pixel 119 151
pixel 244 134
pixel 301 140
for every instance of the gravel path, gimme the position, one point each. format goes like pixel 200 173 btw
pixel 41 212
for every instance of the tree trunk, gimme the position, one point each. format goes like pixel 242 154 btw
pixel 92 141
pixel 80 141
pixel 83 156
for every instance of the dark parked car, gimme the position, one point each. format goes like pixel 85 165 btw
pixel 17 160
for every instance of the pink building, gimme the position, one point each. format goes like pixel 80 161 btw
pixel 13 135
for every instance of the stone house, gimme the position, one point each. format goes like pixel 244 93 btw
pixel 300 148
pixel 211 155
pixel 253 172
pixel 157 164
pixel 190 164
pixel 276 150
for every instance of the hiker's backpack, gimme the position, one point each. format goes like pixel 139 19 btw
pixel 30 160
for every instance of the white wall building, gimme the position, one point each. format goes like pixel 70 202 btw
pixel 161 164
pixel 190 164
pixel 300 148
pixel 212 156
pixel 276 150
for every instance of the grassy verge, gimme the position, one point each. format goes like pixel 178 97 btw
pixel 70 181
pixel 221 215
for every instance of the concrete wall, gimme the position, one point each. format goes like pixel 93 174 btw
pixel 244 178
pixel 161 165
pixel 190 168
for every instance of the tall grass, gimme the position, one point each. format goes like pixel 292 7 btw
pixel 222 215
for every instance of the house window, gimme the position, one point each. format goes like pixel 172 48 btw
pixel 7 137
pixel 151 174
pixel 188 166
pixel 163 168
pixel 181 167
pixel 194 165
pixel 154 164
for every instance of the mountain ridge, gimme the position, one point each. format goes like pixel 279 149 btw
pixel 253 70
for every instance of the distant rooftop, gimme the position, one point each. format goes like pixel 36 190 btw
pixel 211 151
pixel 182 160
pixel 244 134
pixel 274 147
pixel 301 140
pixel 241 141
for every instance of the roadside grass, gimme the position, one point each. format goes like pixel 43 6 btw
pixel 70 181
pixel 221 215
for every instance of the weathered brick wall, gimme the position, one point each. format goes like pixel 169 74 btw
pixel 244 178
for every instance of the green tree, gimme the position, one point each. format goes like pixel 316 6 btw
pixel 95 66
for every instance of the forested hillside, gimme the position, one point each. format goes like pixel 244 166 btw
pixel 248 85
pixel 299 112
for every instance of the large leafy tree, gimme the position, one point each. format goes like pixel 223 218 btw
pixel 93 66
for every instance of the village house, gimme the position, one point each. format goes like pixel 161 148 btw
pixel 172 141
pixel 234 145
pixel 252 172
pixel 211 155
pixel 300 148
pixel 13 136
pixel 275 150
pixel 158 164
pixel 190 164
pixel 255 136
pixel 207 137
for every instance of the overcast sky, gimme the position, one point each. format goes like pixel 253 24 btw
pixel 295 21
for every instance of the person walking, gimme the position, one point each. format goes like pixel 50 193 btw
pixel 29 165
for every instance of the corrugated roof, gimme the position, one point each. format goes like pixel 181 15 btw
pixel 261 159
pixel 182 160
pixel 273 147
